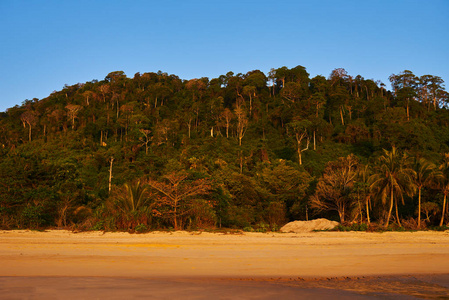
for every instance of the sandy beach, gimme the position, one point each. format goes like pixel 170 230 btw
pixel 200 265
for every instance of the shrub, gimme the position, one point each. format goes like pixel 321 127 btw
pixel 33 217
pixel 440 228
pixel 262 227
pixel 98 226
pixel 140 228
pixel 352 227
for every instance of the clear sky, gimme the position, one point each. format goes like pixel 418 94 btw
pixel 46 44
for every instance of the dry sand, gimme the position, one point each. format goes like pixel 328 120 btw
pixel 200 265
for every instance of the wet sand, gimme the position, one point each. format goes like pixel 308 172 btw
pixel 200 265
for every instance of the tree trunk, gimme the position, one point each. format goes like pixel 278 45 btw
pixel 342 216
pixel 314 140
pixel 117 109
pixel 444 210
pixel 367 210
pixel 391 208
pixel 175 216
pixel 360 209
pixel 110 175
pixel 197 117
pixel 299 139
pixel 189 125
pixel 397 215
pixel 341 116
pixel 250 105
pixel 408 110
pixel 419 208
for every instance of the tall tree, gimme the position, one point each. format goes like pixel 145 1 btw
pixel 436 89
pixel 29 118
pixel 250 91
pixel 361 187
pixel 424 174
pixel 177 192
pixel 444 185
pixel 227 116
pixel 72 112
pixel 242 122
pixel 300 130
pixel 405 87
pixel 335 186
pixel 392 177
pixel 148 138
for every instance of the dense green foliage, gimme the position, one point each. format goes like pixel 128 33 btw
pixel 238 151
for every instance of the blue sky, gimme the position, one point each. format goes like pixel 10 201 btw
pixel 46 44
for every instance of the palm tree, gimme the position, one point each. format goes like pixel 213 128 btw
pixel 444 184
pixel 132 197
pixel 424 174
pixel 362 184
pixel 394 177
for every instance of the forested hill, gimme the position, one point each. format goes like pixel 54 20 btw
pixel 246 151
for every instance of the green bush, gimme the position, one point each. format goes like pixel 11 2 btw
pixel 352 227
pixel 262 227
pixel 33 217
pixel 275 227
pixel 141 228
pixel 98 226
pixel 440 228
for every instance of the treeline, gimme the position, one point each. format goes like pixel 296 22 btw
pixel 249 151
